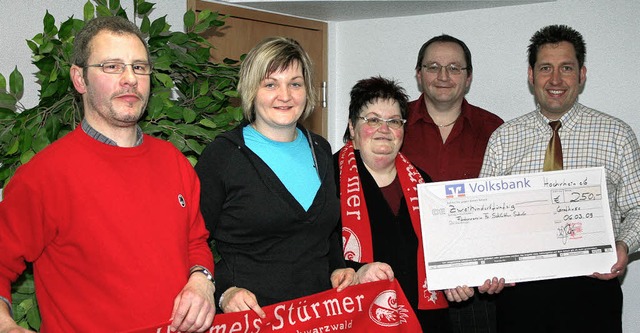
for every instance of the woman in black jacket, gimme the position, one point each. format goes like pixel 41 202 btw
pixel 268 191
pixel 379 201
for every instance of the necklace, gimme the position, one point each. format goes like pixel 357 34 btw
pixel 449 124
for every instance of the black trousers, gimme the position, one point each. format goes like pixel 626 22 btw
pixel 477 315
pixel 579 304
pixel 434 321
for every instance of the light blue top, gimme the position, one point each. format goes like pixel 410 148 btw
pixel 292 162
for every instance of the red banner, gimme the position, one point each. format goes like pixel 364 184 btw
pixel 379 307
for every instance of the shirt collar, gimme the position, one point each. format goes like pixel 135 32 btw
pixel 418 111
pixel 567 120
pixel 92 132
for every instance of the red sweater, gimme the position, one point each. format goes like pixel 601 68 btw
pixel 112 232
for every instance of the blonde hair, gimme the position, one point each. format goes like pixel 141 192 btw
pixel 273 54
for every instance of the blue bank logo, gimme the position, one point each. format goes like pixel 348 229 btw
pixel 454 190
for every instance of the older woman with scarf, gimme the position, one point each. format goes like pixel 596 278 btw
pixel 379 206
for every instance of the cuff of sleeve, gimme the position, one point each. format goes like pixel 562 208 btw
pixel 625 244
pixel 8 305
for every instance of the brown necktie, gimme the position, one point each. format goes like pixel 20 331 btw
pixel 553 156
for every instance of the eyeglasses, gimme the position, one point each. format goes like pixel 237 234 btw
pixel 115 67
pixel 395 123
pixel 435 68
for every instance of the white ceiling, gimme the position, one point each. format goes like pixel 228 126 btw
pixel 345 10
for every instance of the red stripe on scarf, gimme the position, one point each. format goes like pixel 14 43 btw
pixel 356 227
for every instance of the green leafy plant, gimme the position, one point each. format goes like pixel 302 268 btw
pixel 192 99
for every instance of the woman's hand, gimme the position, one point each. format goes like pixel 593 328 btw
pixel 237 299
pixel 494 286
pixel 375 271
pixel 343 277
pixel 459 294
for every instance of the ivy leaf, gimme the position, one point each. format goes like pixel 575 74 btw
pixel 217 94
pixel 16 83
pixel 50 89
pixel 195 146
pixel 66 29
pixel 49 24
pixel 6 113
pixel 26 156
pixel 144 7
pixel 179 38
pixel 53 76
pixel 33 46
pixel 89 11
pixel 164 79
pixel 114 4
pixel 163 63
pixel 33 317
pixel 201 27
pixel 204 88
pixel 120 12
pixel 40 142
pixel 177 141
pixel 203 15
pixel 189 20
pixel 7 101
pixel 208 123
pixel 13 148
pixel 103 11
pixel 174 113
pixel 203 101
pixel 188 115
pixel 38 39
pixel 157 26
pixel 46 47
pixel 146 24
pixel 3 83
pixel 52 128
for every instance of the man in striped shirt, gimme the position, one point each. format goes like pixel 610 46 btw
pixel 589 138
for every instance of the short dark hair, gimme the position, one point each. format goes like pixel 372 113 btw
pixel 367 91
pixel 554 34
pixel 115 24
pixel 445 39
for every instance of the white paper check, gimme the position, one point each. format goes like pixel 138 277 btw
pixel 521 227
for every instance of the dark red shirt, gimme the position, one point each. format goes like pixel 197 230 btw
pixel 461 156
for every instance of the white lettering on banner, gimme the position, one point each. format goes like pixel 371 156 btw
pixel 237 326
pixel 332 307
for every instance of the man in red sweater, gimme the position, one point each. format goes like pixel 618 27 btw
pixel 446 137
pixel 109 217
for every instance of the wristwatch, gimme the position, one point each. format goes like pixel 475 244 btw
pixel 205 272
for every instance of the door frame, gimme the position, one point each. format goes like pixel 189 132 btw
pixel 320 114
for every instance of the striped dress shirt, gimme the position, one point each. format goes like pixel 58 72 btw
pixel 589 138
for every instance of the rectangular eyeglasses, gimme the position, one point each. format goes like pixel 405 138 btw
pixel 116 67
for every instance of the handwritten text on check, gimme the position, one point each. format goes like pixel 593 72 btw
pixel 520 227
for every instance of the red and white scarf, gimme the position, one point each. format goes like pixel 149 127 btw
pixel 356 227
pixel 379 307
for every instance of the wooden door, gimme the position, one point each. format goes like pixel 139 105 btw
pixel 244 28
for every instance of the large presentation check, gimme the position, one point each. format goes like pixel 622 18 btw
pixel 521 227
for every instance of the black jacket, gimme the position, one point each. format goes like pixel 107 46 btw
pixel 268 243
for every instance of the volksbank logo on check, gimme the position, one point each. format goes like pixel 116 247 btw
pixel 458 190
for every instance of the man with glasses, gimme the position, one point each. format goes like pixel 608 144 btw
pixel 108 216
pixel 587 138
pixel 446 137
